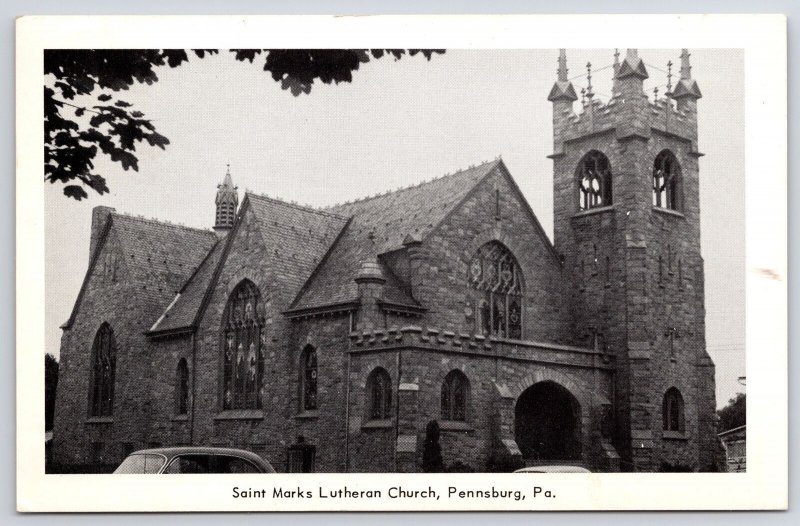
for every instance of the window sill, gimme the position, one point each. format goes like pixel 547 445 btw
pixel 668 212
pixel 594 211
pixel 455 425
pixel 100 420
pixel 240 414
pixel 377 424
pixel 180 418
pixel 307 415
pixel 674 435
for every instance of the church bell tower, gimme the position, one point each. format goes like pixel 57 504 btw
pixel 627 226
pixel 227 202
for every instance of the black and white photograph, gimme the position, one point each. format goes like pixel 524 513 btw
pixel 395 260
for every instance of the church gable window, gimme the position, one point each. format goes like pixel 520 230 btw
pixel 182 388
pixel 104 359
pixel 594 181
pixel 672 411
pixel 308 378
pixel 496 278
pixel 666 181
pixel 455 396
pixel 379 393
pixel 243 349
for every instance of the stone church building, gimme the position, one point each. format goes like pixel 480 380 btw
pixel 327 339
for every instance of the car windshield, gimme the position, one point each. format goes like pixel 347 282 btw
pixel 140 464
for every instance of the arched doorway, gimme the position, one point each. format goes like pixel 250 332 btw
pixel 547 423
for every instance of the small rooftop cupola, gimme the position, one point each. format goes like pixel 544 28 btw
pixel 686 91
pixel 370 281
pixel 227 202
pixel 563 89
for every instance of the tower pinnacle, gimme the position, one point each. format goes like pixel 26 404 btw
pixel 562 89
pixel 686 89
pixel 227 202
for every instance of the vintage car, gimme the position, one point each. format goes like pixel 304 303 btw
pixel 193 459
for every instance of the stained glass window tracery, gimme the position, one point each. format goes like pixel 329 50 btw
pixel 308 378
pixel 496 277
pixel 104 359
pixel 243 349
pixel 594 181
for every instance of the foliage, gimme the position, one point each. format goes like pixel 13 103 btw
pixel 50 383
pixel 73 139
pixel 432 450
pixel 734 414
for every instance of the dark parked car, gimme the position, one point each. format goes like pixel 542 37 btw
pixel 193 459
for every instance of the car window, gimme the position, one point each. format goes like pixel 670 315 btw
pixel 210 464
pixel 189 464
pixel 140 464
pixel 237 465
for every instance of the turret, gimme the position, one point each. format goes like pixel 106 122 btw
pixel 687 91
pixel 227 202
pixel 562 95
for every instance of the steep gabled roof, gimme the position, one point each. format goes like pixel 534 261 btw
pixel 296 236
pixel 158 256
pixel 380 224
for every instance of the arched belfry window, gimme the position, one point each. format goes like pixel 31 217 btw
pixel 308 378
pixel 104 360
pixel 497 279
pixel 379 394
pixel 666 181
pixel 594 181
pixel 182 388
pixel 672 411
pixel 455 396
pixel 243 348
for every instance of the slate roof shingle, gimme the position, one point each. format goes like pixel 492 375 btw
pixel 380 224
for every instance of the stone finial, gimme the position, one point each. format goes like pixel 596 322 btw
pixel 562 65
pixel 562 89
pixel 686 88
pixel 632 66
pixel 686 68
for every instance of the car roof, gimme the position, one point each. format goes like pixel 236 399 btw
pixel 553 469
pixel 170 452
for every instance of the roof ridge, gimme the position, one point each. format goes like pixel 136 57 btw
pixel 415 185
pixel 291 204
pixel 161 222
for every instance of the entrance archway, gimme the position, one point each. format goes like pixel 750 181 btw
pixel 547 423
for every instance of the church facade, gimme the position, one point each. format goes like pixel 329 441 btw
pixel 328 339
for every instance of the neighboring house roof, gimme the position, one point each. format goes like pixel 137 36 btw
pixel 741 430
pixel 158 256
pixel 380 224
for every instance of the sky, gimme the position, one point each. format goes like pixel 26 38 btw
pixel 397 124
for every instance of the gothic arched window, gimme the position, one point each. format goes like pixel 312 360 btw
pixel 497 278
pixel 672 410
pixel 182 388
pixel 594 181
pixel 379 393
pixel 455 396
pixel 308 378
pixel 243 347
pixel 666 181
pixel 104 360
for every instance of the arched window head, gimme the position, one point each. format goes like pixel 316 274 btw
pixel 455 396
pixel 182 388
pixel 104 360
pixel 308 378
pixel 672 411
pixel 243 348
pixel 594 181
pixel 379 394
pixel 496 278
pixel 666 181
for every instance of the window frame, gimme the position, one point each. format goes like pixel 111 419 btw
pixel 379 397
pixel 102 383
pixel 309 379
pixel 242 383
pixel 182 387
pixel 601 171
pixel 449 397
pixel 672 411
pixel 669 194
